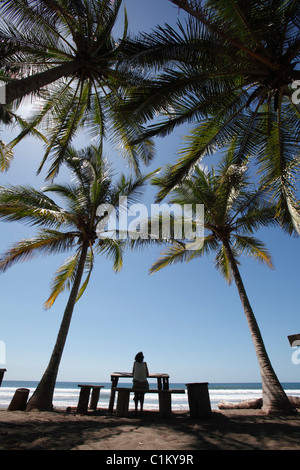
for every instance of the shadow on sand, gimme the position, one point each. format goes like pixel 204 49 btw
pixel 101 431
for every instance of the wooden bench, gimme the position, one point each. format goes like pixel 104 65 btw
pixel 162 383
pixel 164 398
pixel 84 396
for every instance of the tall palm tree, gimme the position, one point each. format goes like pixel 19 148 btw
pixel 230 70
pixel 63 53
pixel 234 210
pixel 62 229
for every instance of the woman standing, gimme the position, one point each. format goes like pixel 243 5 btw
pixel 140 373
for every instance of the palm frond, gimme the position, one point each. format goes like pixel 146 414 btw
pixel 63 279
pixel 65 275
pixel 175 253
pixel 179 252
pixel 64 53
pixel 89 266
pixel 45 243
pixel 6 156
pixel 222 70
pixel 113 250
pixel 253 247
pixel 233 210
pixel 223 265
pixel 23 203
pixel 280 164
pixel 251 219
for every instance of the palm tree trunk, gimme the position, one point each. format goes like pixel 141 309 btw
pixel 25 86
pixel 274 397
pixel 43 395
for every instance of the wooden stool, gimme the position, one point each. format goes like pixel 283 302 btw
pixel 165 408
pixel 199 401
pixel 19 400
pixel 84 397
pixel 123 402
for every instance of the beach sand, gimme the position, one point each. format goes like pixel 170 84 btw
pixel 225 430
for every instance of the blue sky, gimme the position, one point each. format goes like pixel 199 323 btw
pixel 186 319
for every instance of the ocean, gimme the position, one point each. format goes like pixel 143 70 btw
pixel 66 393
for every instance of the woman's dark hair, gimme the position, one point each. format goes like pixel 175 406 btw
pixel 139 357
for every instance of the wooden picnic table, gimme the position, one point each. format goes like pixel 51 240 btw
pixel 162 384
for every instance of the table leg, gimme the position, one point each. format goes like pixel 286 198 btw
pixel 94 398
pixel 114 384
pixel 165 383
pixel 83 401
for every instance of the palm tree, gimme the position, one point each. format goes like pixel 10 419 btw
pixel 230 70
pixel 63 229
pixel 62 53
pixel 234 210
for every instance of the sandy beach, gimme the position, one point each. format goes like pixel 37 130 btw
pixel 225 430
